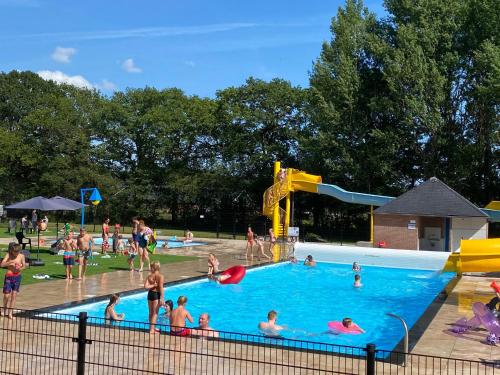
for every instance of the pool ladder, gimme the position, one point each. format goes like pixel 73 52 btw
pixel 405 327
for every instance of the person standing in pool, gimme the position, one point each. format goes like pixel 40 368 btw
pixel 15 262
pixel 110 313
pixel 250 241
pixel 169 307
pixel 204 328
pixel 309 261
pixel 270 328
pixel 84 244
pixel 178 318
pixel 154 283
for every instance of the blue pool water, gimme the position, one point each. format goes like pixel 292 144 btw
pixel 306 299
pixel 172 244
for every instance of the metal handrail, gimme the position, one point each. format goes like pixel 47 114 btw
pixel 405 327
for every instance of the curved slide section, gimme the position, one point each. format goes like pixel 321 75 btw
pixel 351 197
pixel 480 255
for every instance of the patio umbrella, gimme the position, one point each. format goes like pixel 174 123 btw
pixel 36 203
pixel 42 204
pixel 72 206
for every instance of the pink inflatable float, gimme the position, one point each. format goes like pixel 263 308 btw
pixel 340 328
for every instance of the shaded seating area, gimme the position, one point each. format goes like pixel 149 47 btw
pixel 23 240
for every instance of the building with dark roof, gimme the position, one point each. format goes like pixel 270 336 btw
pixel 431 216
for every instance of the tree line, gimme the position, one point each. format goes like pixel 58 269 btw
pixel 392 101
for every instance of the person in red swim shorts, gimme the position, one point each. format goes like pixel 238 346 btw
pixel 15 262
pixel 178 318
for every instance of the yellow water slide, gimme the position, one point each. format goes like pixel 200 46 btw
pixel 480 255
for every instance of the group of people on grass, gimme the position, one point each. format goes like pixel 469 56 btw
pixel 79 250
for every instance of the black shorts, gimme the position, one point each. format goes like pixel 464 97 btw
pixel 153 295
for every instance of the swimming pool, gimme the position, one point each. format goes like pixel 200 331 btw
pixel 172 244
pixel 306 299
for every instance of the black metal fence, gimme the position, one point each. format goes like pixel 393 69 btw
pixel 48 343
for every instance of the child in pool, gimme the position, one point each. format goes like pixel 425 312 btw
pixel 356 267
pixel 357 281
pixel 349 324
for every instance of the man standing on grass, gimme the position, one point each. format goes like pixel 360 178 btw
pixel 85 243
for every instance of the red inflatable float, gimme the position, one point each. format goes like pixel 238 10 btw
pixel 232 275
pixel 495 286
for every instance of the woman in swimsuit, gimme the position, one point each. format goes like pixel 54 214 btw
pixel 156 298
pixel 110 313
pixel 143 245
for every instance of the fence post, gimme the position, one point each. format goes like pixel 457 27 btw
pixel 370 359
pixel 82 342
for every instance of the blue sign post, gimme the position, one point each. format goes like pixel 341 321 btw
pixel 95 198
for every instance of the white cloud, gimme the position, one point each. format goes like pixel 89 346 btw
pixel 190 63
pixel 60 77
pixel 63 55
pixel 78 80
pixel 106 85
pixel 130 67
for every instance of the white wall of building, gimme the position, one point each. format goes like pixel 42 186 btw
pixel 467 228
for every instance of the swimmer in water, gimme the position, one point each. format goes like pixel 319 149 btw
pixel 357 281
pixel 309 261
pixel 270 328
pixel 356 267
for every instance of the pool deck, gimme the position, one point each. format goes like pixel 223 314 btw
pixel 429 336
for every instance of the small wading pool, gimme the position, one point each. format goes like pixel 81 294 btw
pixel 306 299
pixel 171 243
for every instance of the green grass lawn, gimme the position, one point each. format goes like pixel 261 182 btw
pixel 56 271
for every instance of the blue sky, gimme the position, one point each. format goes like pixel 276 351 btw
pixel 198 46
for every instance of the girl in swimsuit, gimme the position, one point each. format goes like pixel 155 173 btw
pixel 213 264
pixel 260 244
pixel 154 282
pixel 105 235
pixel 110 313
pixel 249 249
pixel 143 244
pixel 272 241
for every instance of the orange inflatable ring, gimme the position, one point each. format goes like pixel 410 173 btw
pixel 236 274
pixel 495 286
